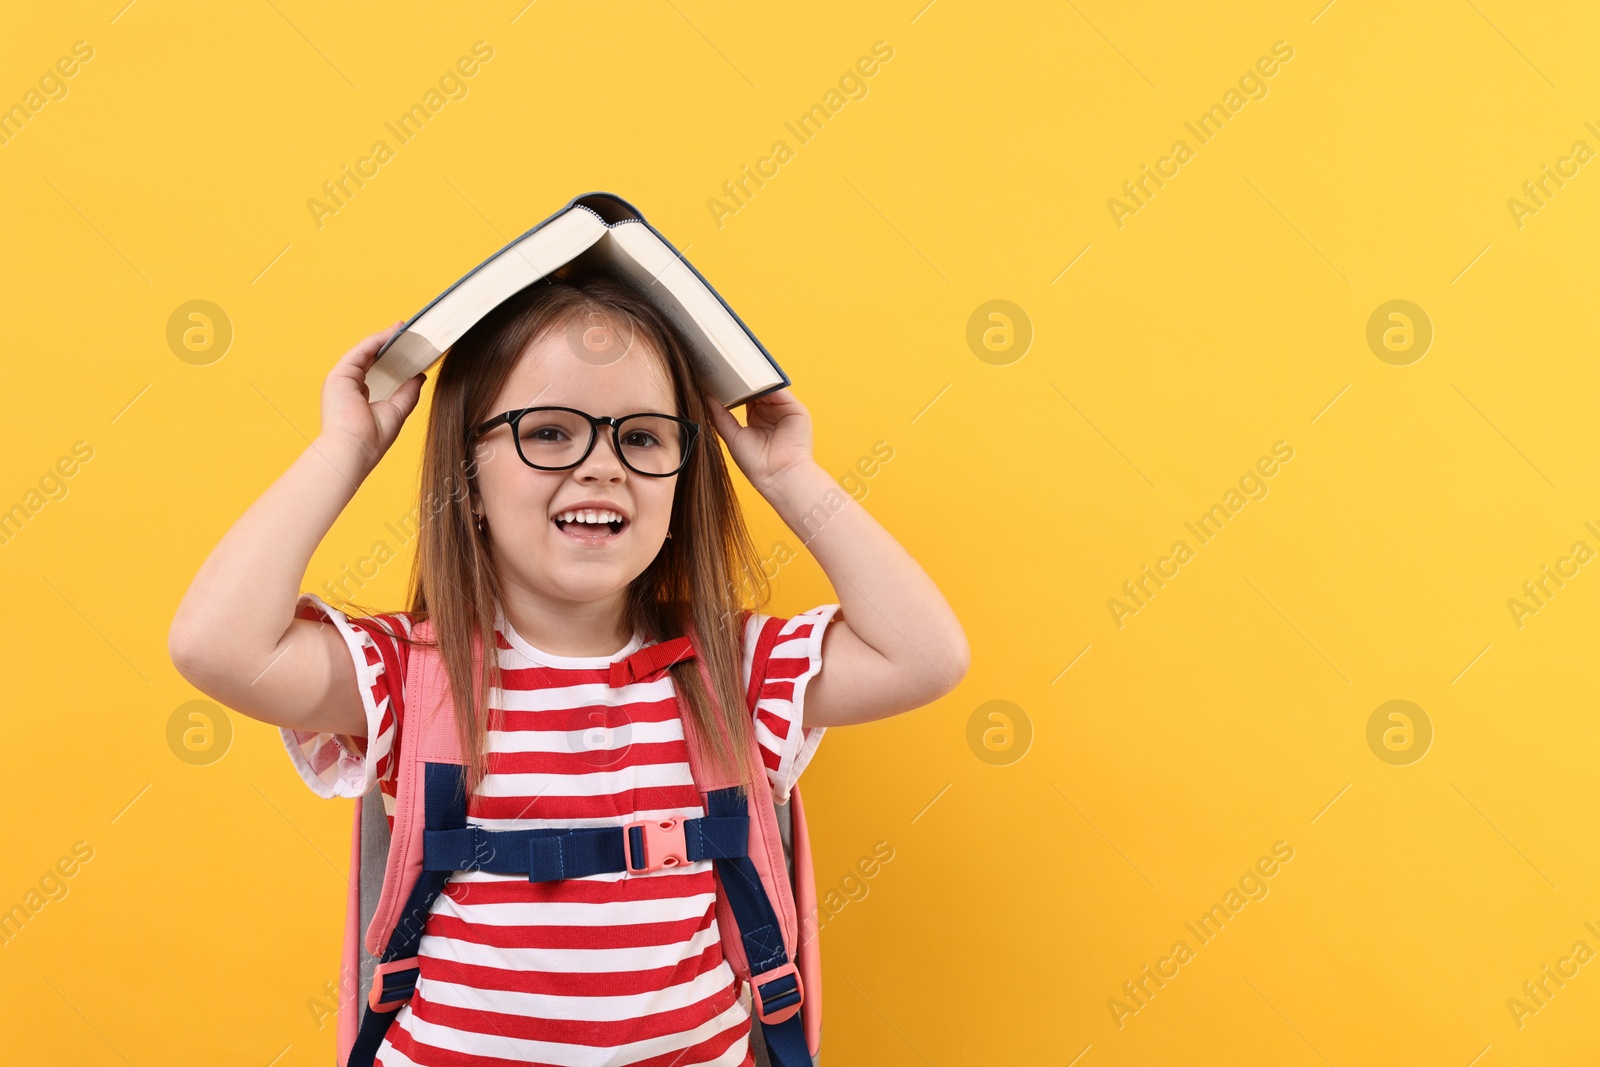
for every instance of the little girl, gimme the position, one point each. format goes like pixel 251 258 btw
pixel 566 538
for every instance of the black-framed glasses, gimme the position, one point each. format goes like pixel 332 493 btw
pixel 560 438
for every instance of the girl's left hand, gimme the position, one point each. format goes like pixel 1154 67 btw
pixel 775 438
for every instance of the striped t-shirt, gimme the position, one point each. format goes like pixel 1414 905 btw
pixel 607 969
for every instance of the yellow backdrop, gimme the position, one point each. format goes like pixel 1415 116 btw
pixel 1230 370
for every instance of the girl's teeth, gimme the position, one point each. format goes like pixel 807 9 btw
pixel 589 516
pixel 591 525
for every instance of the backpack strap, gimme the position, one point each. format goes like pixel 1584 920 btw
pixel 754 896
pixel 807 955
pixel 805 902
pixel 549 855
pixel 430 797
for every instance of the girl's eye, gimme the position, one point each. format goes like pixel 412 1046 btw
pixel 641 439
pixel 543 433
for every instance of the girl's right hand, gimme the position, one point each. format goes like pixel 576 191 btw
pixel 349 418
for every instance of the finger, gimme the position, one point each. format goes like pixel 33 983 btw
pixel 391 414
pixel 354 364
pixel 721 417
pixel 368 346
pixel 374 341
pixel 780 401
pixel 405 398
pixel 765 411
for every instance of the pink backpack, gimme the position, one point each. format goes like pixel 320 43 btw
pixel 766 897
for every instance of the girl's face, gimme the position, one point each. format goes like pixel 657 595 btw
pixel 535 557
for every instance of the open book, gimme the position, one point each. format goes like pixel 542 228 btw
pixel 602 231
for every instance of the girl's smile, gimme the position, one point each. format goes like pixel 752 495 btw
pixel 592 522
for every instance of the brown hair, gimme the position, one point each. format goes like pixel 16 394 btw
pixel 695 581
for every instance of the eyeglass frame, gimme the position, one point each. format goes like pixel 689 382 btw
pixel 514 416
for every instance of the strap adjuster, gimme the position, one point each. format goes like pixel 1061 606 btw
pixel 389 996
pixel 651 844
pixel 778 994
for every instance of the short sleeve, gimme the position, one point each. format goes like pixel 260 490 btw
pixel 795 658
pixel 339 765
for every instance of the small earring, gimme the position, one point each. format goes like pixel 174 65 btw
pixel 481 522
pixel 669 535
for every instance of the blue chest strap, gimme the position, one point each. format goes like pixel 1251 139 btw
pixel 549 855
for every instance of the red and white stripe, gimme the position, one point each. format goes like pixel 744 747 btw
pixel 609 969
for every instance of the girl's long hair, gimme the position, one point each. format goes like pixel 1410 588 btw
pixel 698 579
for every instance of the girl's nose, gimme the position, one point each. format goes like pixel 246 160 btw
pixel 604 454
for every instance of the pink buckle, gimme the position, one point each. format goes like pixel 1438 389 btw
pixel 664 845
pixel 375 994
pixel 787 1008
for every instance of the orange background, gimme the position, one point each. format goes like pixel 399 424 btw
pixel 1140 771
